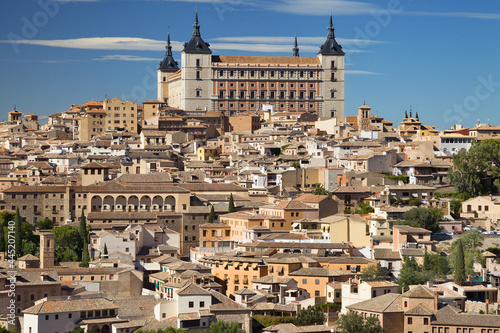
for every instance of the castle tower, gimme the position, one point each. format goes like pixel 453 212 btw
pixel 46 249
pixel 296 48
pixel 196 58
pixel 167 67
pixel 364 118
pixel 331 57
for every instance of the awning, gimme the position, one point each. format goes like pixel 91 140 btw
pixel 254 265
pixel 224 264
pixel 245 265
pixel 236 264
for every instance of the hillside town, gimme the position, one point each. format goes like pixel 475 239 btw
pixel 246 195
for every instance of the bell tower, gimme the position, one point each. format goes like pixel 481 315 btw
pixel 196 58
pixel 331 57
pixel 46 249
pixel 167 67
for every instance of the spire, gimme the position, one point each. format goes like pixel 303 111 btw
pixel 196 44
pixel 196 26
pixel 168 62
pixel 296 48
pixel 331 29
pixel 331 47
pixel 169 46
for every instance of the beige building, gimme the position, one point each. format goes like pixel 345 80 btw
pixel 92 124
pixel 241 83
pixel 349 228
pixel 121 115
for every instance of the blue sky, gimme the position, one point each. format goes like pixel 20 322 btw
pixel 440 57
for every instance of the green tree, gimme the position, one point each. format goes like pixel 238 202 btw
pixel 18 240
pixel 83 227
pixel 375 273
pixel 225 327
pixel 459 268
pixel 105 251
pixel 427 218
pixel 67 243
pixel 406 114
pixel 472 240
pixel 166 330
pixel 45 224
pixel 364 208
pixel 2 238
pixel 477 171
pixel 85 255
pixel 231 208
pixel 410 274
pixel 212 217
pixel 456 207
pixel 435 266
pixel 352 322
pixel 318 189
pixel 414 202
pixel 312 315
pixel 295 164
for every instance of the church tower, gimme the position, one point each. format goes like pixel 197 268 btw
pixel 331 57
pixel 364 118
pixel 196 58
pixel 167 67
pixel 46 249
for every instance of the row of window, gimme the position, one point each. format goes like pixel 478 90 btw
pixel 263 85
pixel 263 74
pixel 282 106
pixel 263 94
pixel 117 108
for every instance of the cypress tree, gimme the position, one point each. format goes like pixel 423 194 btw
pixel 18 241
pixel 2 239
pixel 416 115
pixel 83 227
pixel 212 216
pixel 85 254
pixel 459 272
pixel 406 114
pixel 231 208
pixel 427 262
pixel 105 252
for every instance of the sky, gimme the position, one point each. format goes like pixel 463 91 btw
pixel 437 58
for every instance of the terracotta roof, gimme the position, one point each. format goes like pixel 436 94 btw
pixel 385 303
pixel 193 289
pixel 266 60
pixel 386 254
pixel 73 305
pixel 449 315
pixel 418 292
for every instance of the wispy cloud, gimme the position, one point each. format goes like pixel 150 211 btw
pixel 361 72
pixel 472 15
pixel 59 61
pixel 290 40
pixel 143 44
pixel 124 57
pixel 321 7
pixel 100 43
